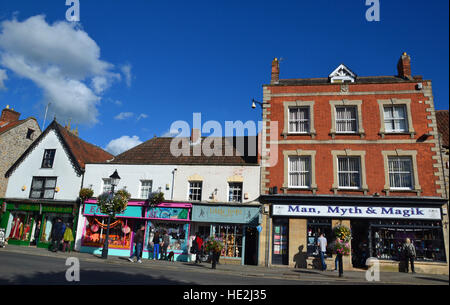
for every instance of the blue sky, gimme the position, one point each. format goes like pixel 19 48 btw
pixel 160 61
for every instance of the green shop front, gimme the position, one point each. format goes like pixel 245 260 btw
pixel 237 226
pixel 29 222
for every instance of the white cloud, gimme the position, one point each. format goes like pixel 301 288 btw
pixel 142 116
pixel 3 77
pixel 124 115
pixel 62 60
pixel 119 145
pixel 126 70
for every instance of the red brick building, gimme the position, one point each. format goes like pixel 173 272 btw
pixel 358 150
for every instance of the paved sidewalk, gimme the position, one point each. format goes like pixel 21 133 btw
pixel 248 271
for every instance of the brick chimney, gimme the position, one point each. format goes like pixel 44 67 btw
pixel 9 115
pixel 275 71
pixel 404 66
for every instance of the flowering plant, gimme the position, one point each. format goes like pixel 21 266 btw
pixel 343 237
pixel 214 244
pixel 113 204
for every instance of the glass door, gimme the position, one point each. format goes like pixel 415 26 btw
pixel 280 242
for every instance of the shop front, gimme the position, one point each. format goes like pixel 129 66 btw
pixel 379 229
pixel 173 218
pixel 236 226
pixel 30 223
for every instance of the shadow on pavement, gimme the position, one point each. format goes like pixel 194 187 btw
pixel 432 279
pixel 91 277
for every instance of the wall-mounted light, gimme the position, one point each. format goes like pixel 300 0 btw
pixel 56 189
pixel 24 188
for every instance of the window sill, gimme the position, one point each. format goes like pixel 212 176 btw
pixel 361 134
pixel 393 133
pixel 308 134
pixel 388 191
pixel 291 188
pixel 356 190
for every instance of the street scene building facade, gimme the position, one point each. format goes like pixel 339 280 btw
pixel 362 151
pixel 15 137
pixel 213 196
pixel 44 184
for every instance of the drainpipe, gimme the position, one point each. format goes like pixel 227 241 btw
pixel 173 182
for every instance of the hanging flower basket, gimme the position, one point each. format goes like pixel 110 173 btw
pixel 343 237
pixel 156 198
pixel 214 245
pixel 85 194
pixel 116 204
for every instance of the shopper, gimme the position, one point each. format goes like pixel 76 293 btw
pixel 156 241
pixel 409 252
pixel 57 234
pixel 68 238
pixel 198 241
pixel 165 244
pixel 138 241
pixel 322 244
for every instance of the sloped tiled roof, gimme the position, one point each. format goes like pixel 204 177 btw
pixel 80 152
pixel 358 80
pixel 442 125
pixel 4 126
pixel 158 151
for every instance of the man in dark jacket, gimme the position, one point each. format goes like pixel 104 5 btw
pixel 57 234
pixel 139 241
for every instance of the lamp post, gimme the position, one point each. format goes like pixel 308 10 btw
pixel 115 178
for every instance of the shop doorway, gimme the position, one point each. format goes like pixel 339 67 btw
pixel 280 236
pixel 360 243
pixel 251 245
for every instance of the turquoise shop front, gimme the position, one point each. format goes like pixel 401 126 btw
pixel 173 218
pixel 237 226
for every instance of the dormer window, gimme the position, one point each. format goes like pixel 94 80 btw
pixel 49 156
pixel 342 74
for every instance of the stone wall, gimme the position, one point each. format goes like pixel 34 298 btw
pixel 13 144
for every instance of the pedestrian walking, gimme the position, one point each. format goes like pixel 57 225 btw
pixel 156 241
pixel 409 252
pixel 165 244
pixel 57 234
pixel 138 241
pixel 322 244
pixel 67 238
pixel 37 230
pixel 198 241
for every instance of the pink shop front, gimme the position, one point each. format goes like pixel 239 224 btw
pixel 174 218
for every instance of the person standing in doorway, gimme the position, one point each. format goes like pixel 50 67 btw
pixel 156 241
pixel 57 234
pixel 409 252
pixel 138 241
pixel 322 244
pixel 165 244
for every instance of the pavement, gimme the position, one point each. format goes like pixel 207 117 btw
pixel 274 272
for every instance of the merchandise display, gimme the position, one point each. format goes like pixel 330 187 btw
pixel 231 235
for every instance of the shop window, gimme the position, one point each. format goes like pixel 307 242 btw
pixel 235 192
pixel 47 223
pixel 19 226
pixel 315 227
pixel 146 189
pixel 43 187
pixel 119 232
pixel 176 231
pixel 388 237
pixel 231 235
pixel 195 190
pixel 49 156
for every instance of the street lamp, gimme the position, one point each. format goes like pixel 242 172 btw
pixel 254 102
pixel 115 178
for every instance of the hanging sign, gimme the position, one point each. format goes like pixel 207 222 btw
pixel 357 212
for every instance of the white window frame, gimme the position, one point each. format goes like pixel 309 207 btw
pixel 306 171
pixel 298 104
pixel 105 187
pixel 299 122
pixel 396 102
pixel 145 188
pixel 358 112
pixel 362 169
pixel 412 154
pixel 198 187
pixel 231 191
pixel 349 172
pixel 394 119
pixel 410 173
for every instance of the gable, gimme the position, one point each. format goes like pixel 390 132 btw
pixel 342 74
